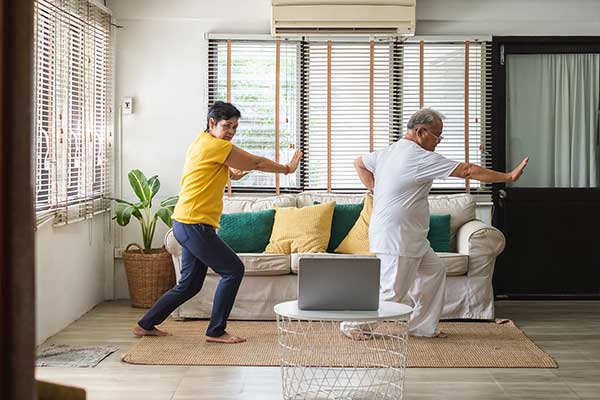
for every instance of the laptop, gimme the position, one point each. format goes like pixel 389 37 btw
pixel 349 284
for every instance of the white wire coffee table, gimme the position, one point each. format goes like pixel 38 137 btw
pixel 319 362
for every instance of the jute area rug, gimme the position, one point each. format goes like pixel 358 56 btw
pixel 469 345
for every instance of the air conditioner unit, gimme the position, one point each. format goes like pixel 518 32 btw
pixel 343 17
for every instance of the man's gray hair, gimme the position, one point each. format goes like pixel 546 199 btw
pixel 425 116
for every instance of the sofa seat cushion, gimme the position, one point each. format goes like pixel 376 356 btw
pixel 456 264
pixel 296 257
pixel 263 264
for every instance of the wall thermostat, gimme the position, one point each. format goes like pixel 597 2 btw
pixel 128 105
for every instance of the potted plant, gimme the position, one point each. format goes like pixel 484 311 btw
pixel 149 271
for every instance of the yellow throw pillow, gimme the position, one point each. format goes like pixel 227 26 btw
pixel 301 230
pixel 357 240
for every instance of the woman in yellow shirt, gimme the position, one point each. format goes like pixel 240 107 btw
pixel 210 160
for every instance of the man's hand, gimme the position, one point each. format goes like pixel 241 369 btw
pixel 366 177
pixel 293 165
pixel 237 174
pixel 516 173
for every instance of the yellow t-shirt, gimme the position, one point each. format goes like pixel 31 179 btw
pixel 203 181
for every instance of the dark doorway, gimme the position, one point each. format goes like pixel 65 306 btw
pixel 550 222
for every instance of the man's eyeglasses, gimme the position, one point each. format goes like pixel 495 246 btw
pixel 438 138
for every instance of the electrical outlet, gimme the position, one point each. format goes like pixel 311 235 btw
pixel 118 253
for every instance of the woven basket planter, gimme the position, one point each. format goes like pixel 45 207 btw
pixel 149 275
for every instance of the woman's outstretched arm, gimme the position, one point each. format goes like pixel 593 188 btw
pixel 242 160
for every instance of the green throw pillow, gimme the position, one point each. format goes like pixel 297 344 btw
pixel 439 233
pixel 344 218
pixel 247 232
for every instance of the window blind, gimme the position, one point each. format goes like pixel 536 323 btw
pixel 443 89
pixel 346 113
pixel 73 95
pixel 252 91
pixel 347 98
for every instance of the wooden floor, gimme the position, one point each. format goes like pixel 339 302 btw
pixel 568 330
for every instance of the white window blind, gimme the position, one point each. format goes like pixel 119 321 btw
pixel 349 98
pixel 444 90
pixel 73 95
pixel 331 147
pixel 252 90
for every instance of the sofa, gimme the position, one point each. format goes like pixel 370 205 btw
pixel 272 278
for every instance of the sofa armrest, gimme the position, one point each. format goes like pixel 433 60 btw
pixel 174 248
pixel 171 244
pixel 481 242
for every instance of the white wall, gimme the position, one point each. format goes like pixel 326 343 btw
pixel 161 61
pixel 508 17
pixel 434 17
pixel 70 263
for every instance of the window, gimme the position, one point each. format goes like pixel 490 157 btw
pixel 330 153
pixel 252 88
pixel 73 93
pixel 444 89
pixel 341 99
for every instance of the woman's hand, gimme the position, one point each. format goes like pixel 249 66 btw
pixel 293 165
pixel 237 174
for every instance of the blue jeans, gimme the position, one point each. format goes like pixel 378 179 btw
pixel 201 248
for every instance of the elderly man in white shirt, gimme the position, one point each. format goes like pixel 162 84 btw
pixel 400 177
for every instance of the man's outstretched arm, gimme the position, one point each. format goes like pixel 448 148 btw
pixel 472 171
pixel 365 176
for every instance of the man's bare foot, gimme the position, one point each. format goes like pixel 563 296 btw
pixel 139 332
pixel 439 335
pixel 357 335
pixel 226 338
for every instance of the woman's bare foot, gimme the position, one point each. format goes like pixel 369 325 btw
pixel 226 338
pixel 139 332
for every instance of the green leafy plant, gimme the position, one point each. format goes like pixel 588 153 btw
pixel 145 189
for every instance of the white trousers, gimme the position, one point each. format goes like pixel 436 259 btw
pixel 417 281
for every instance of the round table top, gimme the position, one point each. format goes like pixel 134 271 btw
pixel 387 310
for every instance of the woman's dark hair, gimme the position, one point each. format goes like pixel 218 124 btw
pixel 220 111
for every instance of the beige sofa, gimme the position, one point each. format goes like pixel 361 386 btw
pixel 272 278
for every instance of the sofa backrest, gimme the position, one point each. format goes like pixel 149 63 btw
pixel 461 207
pixel 308 198
pixel 248 203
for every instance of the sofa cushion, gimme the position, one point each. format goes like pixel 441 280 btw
pixel 295 258
pixel 455 263
pixel 461 208
pixel 244 204
pixel 439 232
pixel 247 232
pixel 263 264
pixel 357 240
pixel 344 218
pixel 301 230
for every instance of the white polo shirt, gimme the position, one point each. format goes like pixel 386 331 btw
pixel 404 173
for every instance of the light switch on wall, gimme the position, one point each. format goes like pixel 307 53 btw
pixel 128 105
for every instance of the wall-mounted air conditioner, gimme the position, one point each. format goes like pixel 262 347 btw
pixel 343 17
